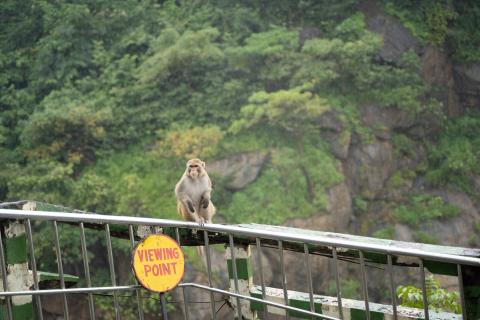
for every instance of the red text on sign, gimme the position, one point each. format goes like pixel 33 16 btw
pixel 160 269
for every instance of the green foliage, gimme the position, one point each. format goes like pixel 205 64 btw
pixel 46 181
pixel 69 133
pixel 141 183
pixel 179 59
pixel 344 66
pixel 427 21
pixel 267 57
pixel 464 37
pixel 385 233
pixel 291 110
pixel 289 187
pixel 402 144
pixel 401 178
pixel 425 237
pixel 360 204
pixel 456 155
pixel 438 22
pixel 438 299
pixel 422 208
pixel 197 142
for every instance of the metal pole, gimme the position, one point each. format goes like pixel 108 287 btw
pixel 112 271
pixel 209 271
pixel 164 306
pixel 462 294
pixel 337 282
pixel 60 269
pixel 184 293
pixel 424 290
pixel 262 279
pixel 138 292
pixel 284 276
pixel 4 275
pixel 91 304
pixel 309 276
pixel 244 232
pixel 364 284
pixel 392 287
pixel 235 275
pixel 33 263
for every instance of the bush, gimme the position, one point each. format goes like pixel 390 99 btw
pixel 385 233
pixel 438 299
pixel 423 208
pixel 455 157
pixel 197 142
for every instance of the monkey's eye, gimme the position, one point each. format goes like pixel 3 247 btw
pixel 193 166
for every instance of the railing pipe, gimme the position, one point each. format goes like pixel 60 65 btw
pixel 364 284
pixel 4 272
pixel 392 287
pixel 33 264
pixel 60 269
pixel 209 272
pixel 462 293
pixel 337 282
pixel 284 276
pixel 184 293
pixel 112 271
pixel 424 291
pixel 262 279
pixel 91 304
pixel 235 274
pixel 138 291
pixel 240 231
pixel 309 276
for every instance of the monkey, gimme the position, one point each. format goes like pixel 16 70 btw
pixel 193 194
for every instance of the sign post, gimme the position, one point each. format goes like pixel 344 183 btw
pixel 158 264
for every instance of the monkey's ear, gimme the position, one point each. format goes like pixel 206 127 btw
pixel 202 163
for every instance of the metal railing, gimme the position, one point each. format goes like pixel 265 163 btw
pixel 246 298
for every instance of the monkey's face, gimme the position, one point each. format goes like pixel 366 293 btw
pixel 195 168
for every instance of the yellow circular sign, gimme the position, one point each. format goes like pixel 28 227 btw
pixel 158 263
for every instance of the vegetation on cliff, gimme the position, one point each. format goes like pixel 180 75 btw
pixel 100 100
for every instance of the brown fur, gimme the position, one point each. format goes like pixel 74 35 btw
pixel 193 193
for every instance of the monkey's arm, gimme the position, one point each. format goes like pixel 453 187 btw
pixel 184 198
pixel 205 198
